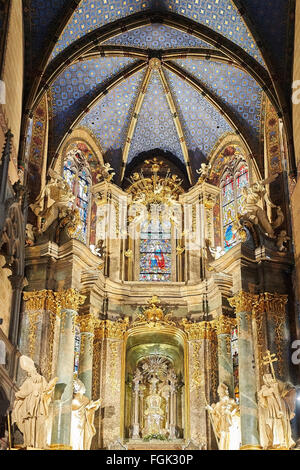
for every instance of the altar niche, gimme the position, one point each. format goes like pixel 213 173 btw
pixel 155 401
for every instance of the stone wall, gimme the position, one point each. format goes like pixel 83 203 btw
pixel 12 75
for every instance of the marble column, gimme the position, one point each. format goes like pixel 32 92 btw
pixel 136 423
pixel 244 303
pixel 172 412
pixel 68 302
pixel 87 325
pixel 224 325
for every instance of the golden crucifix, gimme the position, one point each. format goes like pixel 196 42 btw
pixel 268 360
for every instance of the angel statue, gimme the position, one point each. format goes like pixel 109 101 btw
pixel 276 406
pixel 83 414
pixel 31 406
pixel 203 172
pixel 54 202
pixel 253 196
pixel 106 173
pixel 226 420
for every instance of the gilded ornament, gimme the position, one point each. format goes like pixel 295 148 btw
pixel 154 316
pixel 224 325
pixel 69 299
pixel 243 302
pixel 87 323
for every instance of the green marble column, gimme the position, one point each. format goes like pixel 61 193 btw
pixel 87 325
pixel 68 302
pixel 224 326
pixel 243 303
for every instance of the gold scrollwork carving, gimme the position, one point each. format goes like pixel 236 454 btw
pixel 35 300
pixel 275 306
pixel 197 331
pixel 87 323
pixel 114 360
pixel 224 325
pixel 111 329
pixel 197 374
pixel 69 299
pixel 243 302
pixel 153 315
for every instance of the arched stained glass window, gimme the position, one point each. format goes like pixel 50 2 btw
pixel 229 213
pixel 77 173
pixel 155 252
pixel 233 182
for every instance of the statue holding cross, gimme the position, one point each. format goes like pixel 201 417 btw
pixel 276 404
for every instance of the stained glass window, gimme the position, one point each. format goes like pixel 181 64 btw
pixel 228 212
pixel 77 174
pixel 233 201
pixel 155 252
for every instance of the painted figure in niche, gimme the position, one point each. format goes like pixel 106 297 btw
pixel 83 414
pixel 31 406
pixel 276 405
pixel 226 420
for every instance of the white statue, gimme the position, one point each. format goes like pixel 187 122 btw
pixel 83 415
pixel 276 404
pixel 54 202
pixel 31 406
pixel 253 196
pixel 226 420
pixel 203 172
pixel 106 173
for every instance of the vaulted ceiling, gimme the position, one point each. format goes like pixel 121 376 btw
pixel 175 75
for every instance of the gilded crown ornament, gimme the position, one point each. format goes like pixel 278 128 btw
pixel 153 315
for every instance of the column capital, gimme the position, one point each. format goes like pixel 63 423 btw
pixel 274 303
pixel 87 323
pixel 224 325
pixel 243 302
pixel 111 329
pixel 69 299
pixel 35 300
pixel 197 331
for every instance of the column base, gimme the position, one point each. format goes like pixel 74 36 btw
pixel 60 447
pixel 251 447
pixel 278 448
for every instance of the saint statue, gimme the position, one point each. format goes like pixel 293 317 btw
pixel 83 415
pixel 54 201
pixel 253 196
pixel 276 404
pixel 154 414
pixel 226 420
pixel 31 406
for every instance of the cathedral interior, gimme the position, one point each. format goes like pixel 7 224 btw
pixel 149 205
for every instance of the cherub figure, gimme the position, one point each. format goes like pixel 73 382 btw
pixel 203 172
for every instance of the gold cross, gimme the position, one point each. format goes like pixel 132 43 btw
pixel 268 360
